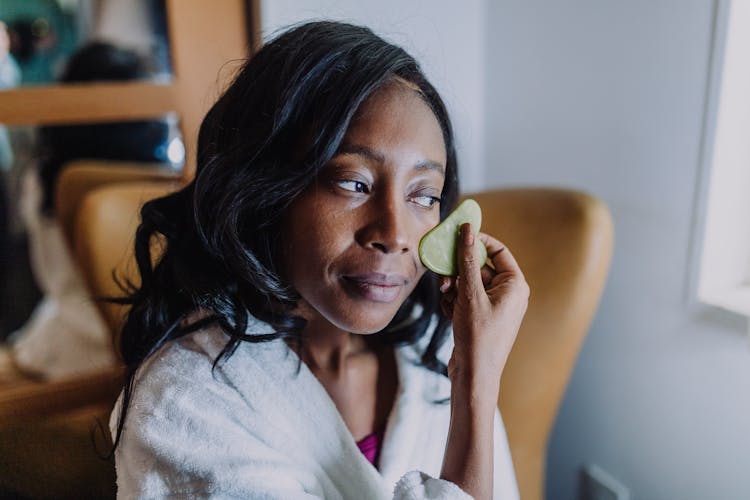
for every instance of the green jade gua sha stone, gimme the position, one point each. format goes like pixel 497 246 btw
pixel 437 248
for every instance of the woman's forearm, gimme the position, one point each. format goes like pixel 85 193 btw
pixel 468 460
pixel 486 305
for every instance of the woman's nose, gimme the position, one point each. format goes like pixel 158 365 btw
pixel 386 229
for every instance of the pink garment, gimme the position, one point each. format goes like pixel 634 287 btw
pixel 370 446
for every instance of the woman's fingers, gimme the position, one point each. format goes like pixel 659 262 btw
pixel 501 258
pixel 489 305
pixel 487 274
pixel 467 264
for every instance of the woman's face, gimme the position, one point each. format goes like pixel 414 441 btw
pixel 350 240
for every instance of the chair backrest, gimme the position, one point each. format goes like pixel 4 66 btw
pixel 46 427
pixel 105 237
pixel 563 242
pixel 79 177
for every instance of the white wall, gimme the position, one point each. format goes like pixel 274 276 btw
pixel 725 257
pixel 608 96
pixel 446 37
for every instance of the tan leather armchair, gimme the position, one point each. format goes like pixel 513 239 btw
pixel 81 177
pixel 46 428
pixel 563 243
pixel 105 236
pixel 562 240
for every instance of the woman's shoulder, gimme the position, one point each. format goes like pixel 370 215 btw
pixel 181 377
pixel 180 367
pixel 195 362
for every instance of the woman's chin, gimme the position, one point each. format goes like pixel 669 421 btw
pixel 365 324
pixel 366 328
pixel 348 316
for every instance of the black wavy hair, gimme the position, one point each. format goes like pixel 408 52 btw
pixel 263 142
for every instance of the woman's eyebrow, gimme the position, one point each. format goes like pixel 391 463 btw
pixel 430 165
pixel 376 156
pixel 354 149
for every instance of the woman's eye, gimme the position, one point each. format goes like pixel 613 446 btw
pixel 354 186
pixel 426 201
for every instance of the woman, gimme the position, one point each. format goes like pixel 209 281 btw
pixel 289 343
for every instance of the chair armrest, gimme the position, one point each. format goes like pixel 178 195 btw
pixel 25 399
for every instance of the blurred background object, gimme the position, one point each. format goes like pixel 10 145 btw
pixel 64 334
pixel 43 34
pixel 72 42
pixel 140 141
pixel 10 76
pixel 46 424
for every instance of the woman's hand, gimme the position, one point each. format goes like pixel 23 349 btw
pixel 487 306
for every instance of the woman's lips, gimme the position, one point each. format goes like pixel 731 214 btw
pixel 377 287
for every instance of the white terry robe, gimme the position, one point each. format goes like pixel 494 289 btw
pixel 258 429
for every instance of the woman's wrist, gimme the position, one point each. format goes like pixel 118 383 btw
pixel 475 389
pixel 468 460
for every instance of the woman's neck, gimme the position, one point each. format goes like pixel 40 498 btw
pixel 326 348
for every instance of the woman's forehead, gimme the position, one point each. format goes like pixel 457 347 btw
pixel 397 117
